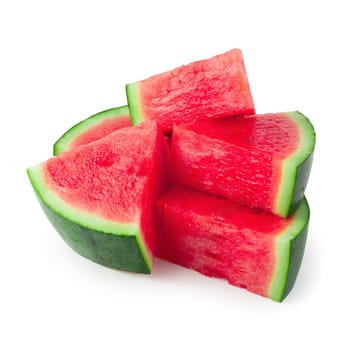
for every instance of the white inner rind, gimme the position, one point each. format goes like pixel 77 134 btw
pixel 134 103
pixel 291 164
pixel 282 250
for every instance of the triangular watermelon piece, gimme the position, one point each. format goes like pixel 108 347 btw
pixel 210 88
pixel 261 160
pixel 100 197
pixel 250 248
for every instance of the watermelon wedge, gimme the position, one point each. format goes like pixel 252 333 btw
pixel 93 128
pixel 100 197
pixel 249 248
pixel 215 87
pixel 262 161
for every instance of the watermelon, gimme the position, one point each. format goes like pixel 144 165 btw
pixel 93 128
pixel 100 196
pixel 262 161
pixel 250 248
pixel 211 88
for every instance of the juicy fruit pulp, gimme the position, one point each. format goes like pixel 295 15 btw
pixel 216 87
pixel 108 188
pixel 254 160
pixel 249 248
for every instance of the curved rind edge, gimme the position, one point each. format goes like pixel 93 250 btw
pixel 289 251
pixel 134 103
pixel 91 232
pixel 296 168
pixel 68 137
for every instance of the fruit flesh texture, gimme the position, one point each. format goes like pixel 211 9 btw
pixel 95 178
pixel 223 239
pixel 98 188
pixel 240 158
pixel 211 88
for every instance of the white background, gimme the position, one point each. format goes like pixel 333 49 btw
pixel 63 61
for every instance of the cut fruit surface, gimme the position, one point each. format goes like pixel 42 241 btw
pixel 262 161
pixel 100 197
pixel 215 87
pixel 93 128
pixel 249 248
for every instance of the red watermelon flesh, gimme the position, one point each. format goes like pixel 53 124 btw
pixel 102 180
pixel 211 88
pixel 254 160
pixel 104 128
pixel 219 238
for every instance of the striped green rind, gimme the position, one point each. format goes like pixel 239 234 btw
pixel 296 168
pixel 134 103
pixel 290 246
pixel 64 142
pixel 109 243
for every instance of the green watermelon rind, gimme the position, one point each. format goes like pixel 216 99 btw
pixel 109 243
pixel 133 97
pixel 296 168
pixel 289 251
pixel 65 141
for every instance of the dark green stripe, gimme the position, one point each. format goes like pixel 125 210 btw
pixel 118 252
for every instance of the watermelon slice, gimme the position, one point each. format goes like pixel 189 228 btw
pixel 249 248
pixel 93 128
pixel 100 197
pixel 262 161
pixel 215 87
